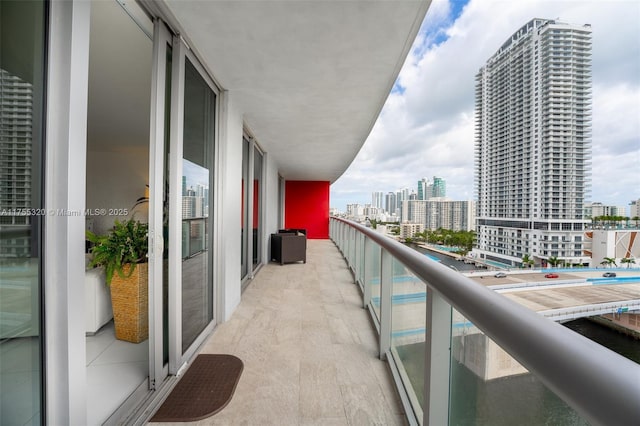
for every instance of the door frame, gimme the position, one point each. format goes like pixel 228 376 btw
pixel 180 53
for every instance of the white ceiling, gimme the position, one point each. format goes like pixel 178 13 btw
pixel 310 76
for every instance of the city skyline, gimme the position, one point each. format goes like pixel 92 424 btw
pixel 426 126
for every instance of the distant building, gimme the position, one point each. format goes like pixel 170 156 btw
pixel 390 203
pixel 596 209
pixel 16 178
pixel 431 189
pixel 533 144
pixel 408 230
pixel 445 214
pixel 437 189
pixel 634 209
pixel 422 189
pixel 377 199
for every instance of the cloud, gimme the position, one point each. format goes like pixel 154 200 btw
pixel 426 128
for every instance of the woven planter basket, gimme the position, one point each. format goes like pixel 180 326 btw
pixel 129 298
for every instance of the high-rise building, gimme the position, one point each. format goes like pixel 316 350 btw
pixel 377 199
pixel 438 188
pixel 422 189
pixel 390 203
pixel 533 144
pixel 445 214
pixel 16 180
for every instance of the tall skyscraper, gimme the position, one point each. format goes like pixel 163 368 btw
pixel 377 199
pixel 17 132
pixel 438 188
pixel 422 189
pixel 390 204
pixel 533 144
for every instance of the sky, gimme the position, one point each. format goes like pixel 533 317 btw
pixel 426 127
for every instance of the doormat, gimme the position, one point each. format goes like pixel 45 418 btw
pixel 205 389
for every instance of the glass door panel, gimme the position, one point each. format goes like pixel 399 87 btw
pixel 197 182
pixel 22 65
pixel 244 236
pixel 257 207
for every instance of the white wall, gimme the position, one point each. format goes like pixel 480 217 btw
pixel 115 180
pixel 230 154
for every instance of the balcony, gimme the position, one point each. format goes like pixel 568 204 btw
pixel 313 355
pixel 309 349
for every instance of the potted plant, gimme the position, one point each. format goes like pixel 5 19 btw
pixel 123 254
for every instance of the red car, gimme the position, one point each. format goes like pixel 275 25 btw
pixel 551 275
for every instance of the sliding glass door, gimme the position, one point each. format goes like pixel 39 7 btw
pixel 22 65
pixel 196 188
pixel 191 207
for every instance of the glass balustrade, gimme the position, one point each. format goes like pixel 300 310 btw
pixel 489 387
pixel 408 313
pixel 447 369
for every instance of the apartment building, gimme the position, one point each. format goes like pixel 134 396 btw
pixel 445 214
pixel 533 144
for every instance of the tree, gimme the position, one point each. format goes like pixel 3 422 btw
pixel 628 261
pixel 527 261
pixel 610 261
pixel 554 261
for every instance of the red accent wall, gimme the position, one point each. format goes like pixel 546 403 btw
pixel 306 206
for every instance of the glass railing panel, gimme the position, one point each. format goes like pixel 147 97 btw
pixel 408 314
pixel 361 256
pixel 489 387
pixel 372 265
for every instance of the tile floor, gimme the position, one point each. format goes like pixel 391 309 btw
pixel 308 347
pixel 114 370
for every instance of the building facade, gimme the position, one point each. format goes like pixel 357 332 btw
pixel 377 199
pixel 593 210
pixel 445 214
pixel 437 188
pixel 533 144
pixel 408 230
pixel 634 209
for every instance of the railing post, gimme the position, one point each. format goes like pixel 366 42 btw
pixel 437 360
pixel 366 276
pixel 386 290
pixel 352 251
pixel 356 264
pixel 350 247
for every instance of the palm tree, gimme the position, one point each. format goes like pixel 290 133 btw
pixel 628 261
pixel 554 261
pixel 527 261
pixel 610 261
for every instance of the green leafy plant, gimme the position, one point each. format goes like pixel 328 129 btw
pixel 127 243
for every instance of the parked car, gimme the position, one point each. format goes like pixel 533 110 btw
pixel 500 275
pixel 609 274
pixel 552 275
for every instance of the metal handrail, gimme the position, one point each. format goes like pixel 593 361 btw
pixel 601 385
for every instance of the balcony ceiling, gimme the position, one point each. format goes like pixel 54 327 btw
pixel 310 76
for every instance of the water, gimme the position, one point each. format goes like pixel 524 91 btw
pixel 444 259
